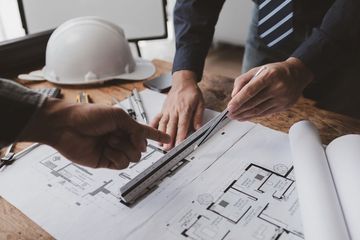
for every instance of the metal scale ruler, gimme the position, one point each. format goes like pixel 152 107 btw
pixel 147 179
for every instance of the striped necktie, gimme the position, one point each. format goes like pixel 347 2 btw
pixel 275 24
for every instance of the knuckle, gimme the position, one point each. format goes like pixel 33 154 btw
pixel 281 85
pixel 164 120
pixel 173 121
pixel 250 91
pixel 279 88
pixel 266 80
pixel 158 117
pixel 272 72
pixel 238 81
pixel 187 110
pixel 156 120
pixel 236 101
pixel 182 123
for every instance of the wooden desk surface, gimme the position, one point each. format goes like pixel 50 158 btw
pixel 216 89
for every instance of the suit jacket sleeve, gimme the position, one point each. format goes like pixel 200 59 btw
pixel 17 106
pixel 194 22
pixel 336 41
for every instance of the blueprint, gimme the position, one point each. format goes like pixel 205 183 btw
pixel 237 185
pixel 87 186
pixel 248 193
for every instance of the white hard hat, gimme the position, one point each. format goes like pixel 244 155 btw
pixel 90 50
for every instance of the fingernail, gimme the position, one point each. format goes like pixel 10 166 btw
pixel 198 126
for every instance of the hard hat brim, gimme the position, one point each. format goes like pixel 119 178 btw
pixel 144 69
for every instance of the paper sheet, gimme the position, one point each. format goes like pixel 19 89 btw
pixel 152 102
pixel 344 160
pixel 74 202
pixel 321 211
pixel 247 193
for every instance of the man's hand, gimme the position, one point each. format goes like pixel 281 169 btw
pixel 182 110
pixel 275 89
pixel 92 135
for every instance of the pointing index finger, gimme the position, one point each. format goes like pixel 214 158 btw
pixel 154 134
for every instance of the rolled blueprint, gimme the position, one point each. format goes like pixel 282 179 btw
pixel 344 158
pixel 320 208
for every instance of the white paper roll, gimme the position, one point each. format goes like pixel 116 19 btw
pixel 320 208
pixel 344 158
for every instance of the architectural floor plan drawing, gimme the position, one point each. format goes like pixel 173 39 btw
pixel 261 202
pixel 239 184
pixel 74 202
pixel 249 192
pixel 84 184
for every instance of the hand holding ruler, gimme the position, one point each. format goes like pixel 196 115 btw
pixel 146 180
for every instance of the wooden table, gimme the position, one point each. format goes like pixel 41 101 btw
pixel 216 90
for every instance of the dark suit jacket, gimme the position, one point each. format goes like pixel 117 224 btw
pixel 333 42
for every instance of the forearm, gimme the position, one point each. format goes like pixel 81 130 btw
pixel 17 106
